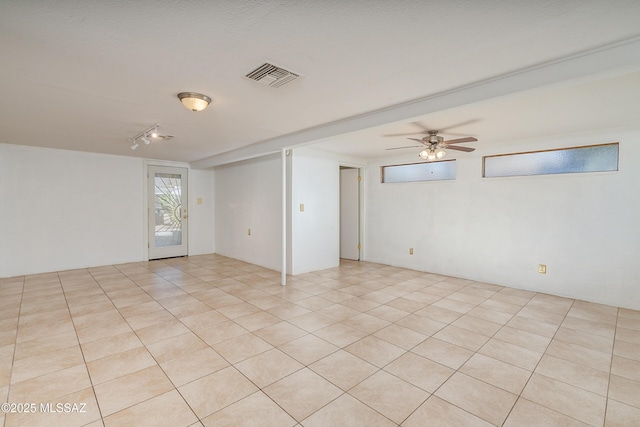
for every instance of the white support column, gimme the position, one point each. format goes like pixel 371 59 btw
pixel 284 217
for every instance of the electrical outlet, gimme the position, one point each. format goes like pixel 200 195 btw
pixel 199 201
pixel 542 268
pixel 410 251
pixel 301 207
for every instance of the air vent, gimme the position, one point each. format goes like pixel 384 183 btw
pixel 270 75
pixel 164 137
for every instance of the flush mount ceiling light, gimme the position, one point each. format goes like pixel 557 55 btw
pixel 194 101
pixel 152 133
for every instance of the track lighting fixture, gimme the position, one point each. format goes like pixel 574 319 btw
pixel 144 136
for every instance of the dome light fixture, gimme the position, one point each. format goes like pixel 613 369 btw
pixel 194 101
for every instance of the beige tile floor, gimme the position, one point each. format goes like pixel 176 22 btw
pixel 211 341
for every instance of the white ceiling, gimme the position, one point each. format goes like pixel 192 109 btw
pixel 89 75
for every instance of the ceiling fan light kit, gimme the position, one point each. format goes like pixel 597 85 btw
pixel 194 101
pixel 431 154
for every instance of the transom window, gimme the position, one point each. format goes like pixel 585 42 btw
pixel 416 172
pixel 594 158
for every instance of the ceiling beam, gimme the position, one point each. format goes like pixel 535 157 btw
pixel 604 61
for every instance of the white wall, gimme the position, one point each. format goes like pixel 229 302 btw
pixel 201 216
pixel 584 227
pixel 316 184
pixel 64 209
pixel 316 231
pixel 248 195
pixel 67 209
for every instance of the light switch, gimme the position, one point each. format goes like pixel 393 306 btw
pixel 301 207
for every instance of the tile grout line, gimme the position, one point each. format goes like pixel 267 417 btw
pixel 463 363
pixel 536 367
pixel 186 269
pixel 175 387
pixel 93 390
pixel 15 345
pixel 613 348
pixel 222 356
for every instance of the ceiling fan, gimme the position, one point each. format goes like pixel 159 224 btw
pixel 434 146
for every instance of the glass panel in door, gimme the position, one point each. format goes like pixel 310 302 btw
pixel 167 212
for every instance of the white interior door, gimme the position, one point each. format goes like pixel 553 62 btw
pixel 349 214
pixel 168 218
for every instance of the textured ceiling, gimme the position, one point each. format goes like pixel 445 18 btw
pixel 88 75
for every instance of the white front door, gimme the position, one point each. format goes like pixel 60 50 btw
pixel 168 218
pixel 349 214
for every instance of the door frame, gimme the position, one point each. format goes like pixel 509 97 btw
pixel 361 207
pixel 145 199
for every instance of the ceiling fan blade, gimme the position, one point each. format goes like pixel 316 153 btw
pixel 417 140
pixel 401 148
pixel 452 134
pixel 425 129
pixel 400 134
pixel 455 147
pixel 468 122
pixel 460 140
